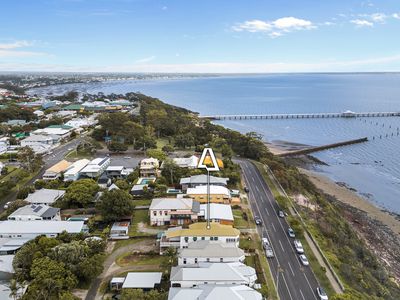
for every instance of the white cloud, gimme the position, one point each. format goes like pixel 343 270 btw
pixel 396 16
pixel 14 45
pixel 275 28
pixel 387 63
pixel 145 60
pixel 12 49
pixel 378 17
pixel 362 23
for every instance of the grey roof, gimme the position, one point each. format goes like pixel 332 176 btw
pixel 45 196
pixel 142 280
pixel 214 292
pixel 202 179
pixel 172 203
pixel 217 211
pixel 50 212
pixel 39 227
pixel 211 249
pixel 196 207
pixel 209 272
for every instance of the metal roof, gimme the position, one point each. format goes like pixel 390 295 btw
pixel 143 280
pixel 39 227
pixel 47 196
pixel 215 292
pixel 211 249
pixel 200 229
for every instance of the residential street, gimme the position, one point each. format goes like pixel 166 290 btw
pixel 293 280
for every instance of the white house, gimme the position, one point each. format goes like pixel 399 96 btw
pixel 38 113
pixel 221 213
pixel 45 196
pixel 210 251
pixel 96 167
pixel 187 162
pixel 149 167
pixel 218 194
pixel 215 292
pixel 61 131
pixel 72 173
pixel 175 211
pixel 179 237
pixel 120 230
pixel 137 280
pixel 37 139
pixel 81 122
pixel 197 180
pixel 187 276
pixel 35 212
pixel 32 229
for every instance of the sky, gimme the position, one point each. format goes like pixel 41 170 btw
pixel 216 36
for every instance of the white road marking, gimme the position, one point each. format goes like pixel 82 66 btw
pixel 281 245
pixel 273 226
pixel 302 296
pixel 290 266
pixel 284 280
pixel 266 210
pixel 312 291
pixel 258 190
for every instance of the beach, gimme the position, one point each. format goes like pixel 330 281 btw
pixel 349 197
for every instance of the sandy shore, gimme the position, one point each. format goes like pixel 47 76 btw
pixel 349 197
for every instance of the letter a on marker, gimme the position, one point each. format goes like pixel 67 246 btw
pixel 208 152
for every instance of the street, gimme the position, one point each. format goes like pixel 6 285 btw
pixel 293 280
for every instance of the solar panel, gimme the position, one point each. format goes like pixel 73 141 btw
pixel 37 208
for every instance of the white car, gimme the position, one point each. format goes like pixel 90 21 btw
pixel 321 293
pixel 298 246
pixel 265 243
pixel 291 232
pixel 269 252
pixel 303 260
pixel 7 205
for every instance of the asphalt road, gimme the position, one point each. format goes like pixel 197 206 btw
pixel 293 280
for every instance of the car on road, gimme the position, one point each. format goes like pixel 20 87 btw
pixel 281 214
pixel 298 246
pixel 127 157
pixel 303 260
pixel 257 220
pixel 246 189
pixel 321 294
pixel 267 247
pixel 290 232
pixel 7 205
pixel 70 149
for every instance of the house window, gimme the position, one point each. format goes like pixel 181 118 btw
pixel 186 239
pixel 154 213
pixel 195 238
pixel 184 261
pixel 165 213
pixel 211 238
pixel 203 238
pixel 221 260
pixel 195 260
pixel 208 259
pixel 215 238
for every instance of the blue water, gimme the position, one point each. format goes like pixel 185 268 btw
pixel 372 168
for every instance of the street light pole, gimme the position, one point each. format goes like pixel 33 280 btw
pixel 208 200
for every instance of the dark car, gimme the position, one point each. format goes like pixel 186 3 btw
pixel 246 189
pixel 258 221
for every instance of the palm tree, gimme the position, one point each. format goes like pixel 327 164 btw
pixel 14 288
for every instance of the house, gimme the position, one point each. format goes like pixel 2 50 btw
pixel 6 268
pixel 118 171
pixel 149 167
pixel 104 181
pixel 59 131
pixel 35 212
pixel 210 251
pixel 81 122
pixel 221 213
pixel 38 113
pixel 187 162
pixel 188 276
pixel 173 211
pixel 179 237
pixel 137 280
pixel 45 196
pixel 37 139
pixel 197 180
pixel 138 190
pixel 11 246
pixel 218 194
pixel 32 229
pixel 96 167
pixel 73 171
pixel 56 171
pixel 215 292
pixel 15 122
pixel 120 230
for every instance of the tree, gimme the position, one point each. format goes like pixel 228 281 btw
pixel 155 153
pixel 29 159
pixel 171 171
pixel 50 279
pixel 90 267
pixel 70 254
pixel 157 118
pixel 81 193
pixel 168 148
pixel 115 204
pixel 25 191
pixel 117 147
pixel 184 140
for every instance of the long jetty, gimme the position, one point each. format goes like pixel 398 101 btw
pixel 346 114
pixel 324 147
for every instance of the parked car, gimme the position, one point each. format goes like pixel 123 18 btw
pixel 303 260
pixel 265 242
pixel 246 189
pixel 269 252
pixel 298 246
pixel 281 214
pixel 7 205
pixel 321 294
pixel 290 232
pixel 257 220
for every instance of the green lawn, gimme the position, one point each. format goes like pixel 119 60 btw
pixel 78 155
pixel 138 217
pixel 130 259
pixel 142 202
pixel 123 243
pixel 161 142
pixel 239 221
